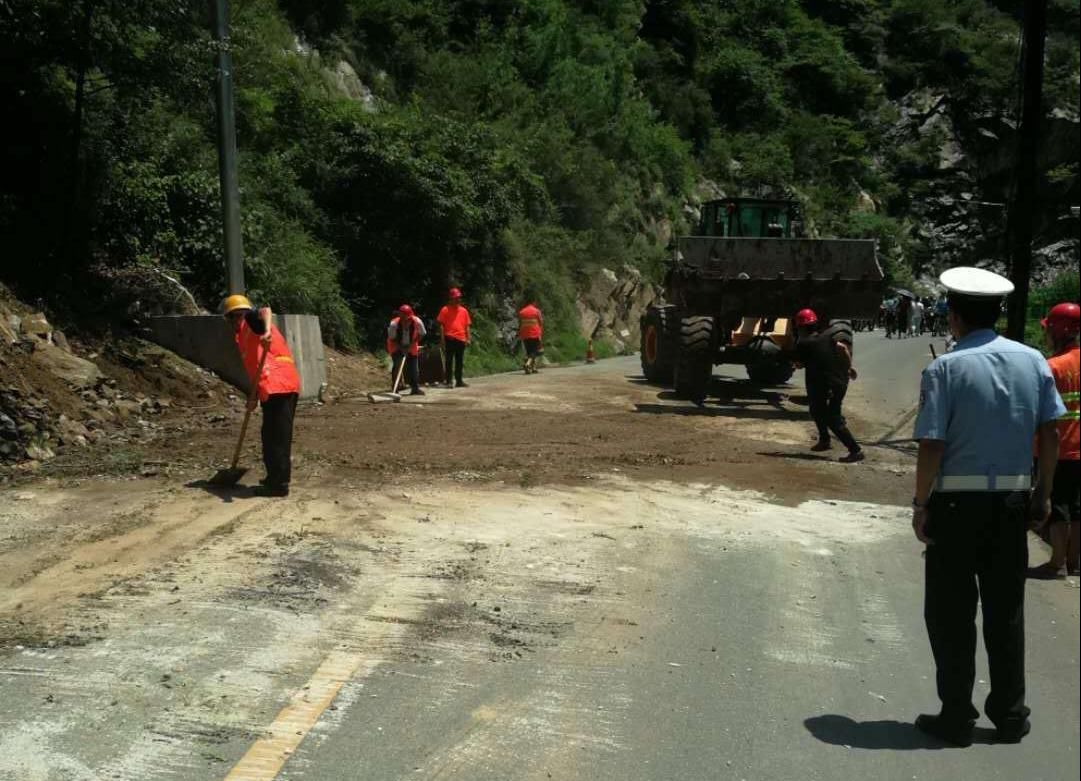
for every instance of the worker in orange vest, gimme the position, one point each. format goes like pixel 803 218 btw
pixel 277 387
pixel 531 332
pixel 454 324
pixel 1061 328
pixel 403 343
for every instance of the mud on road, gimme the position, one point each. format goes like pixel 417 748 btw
pixel 562 427
pixel 151 623
pixel 554 427
pixel 156 633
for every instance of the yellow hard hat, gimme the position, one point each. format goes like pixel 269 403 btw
pixel 235 302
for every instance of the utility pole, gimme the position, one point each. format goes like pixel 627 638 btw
pixel 230 189
pixel 1027 175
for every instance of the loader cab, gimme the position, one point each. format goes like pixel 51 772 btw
pixel 751 218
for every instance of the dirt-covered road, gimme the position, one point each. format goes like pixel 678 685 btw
pixel 566 576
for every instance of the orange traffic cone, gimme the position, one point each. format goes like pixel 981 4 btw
pixel 590 357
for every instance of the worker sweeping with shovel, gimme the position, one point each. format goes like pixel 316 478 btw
pixel 275 385
pixel 403 343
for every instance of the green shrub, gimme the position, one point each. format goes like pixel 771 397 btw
pixel 294 273
pixel 1066 286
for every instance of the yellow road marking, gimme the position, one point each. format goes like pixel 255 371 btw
pixel 269 754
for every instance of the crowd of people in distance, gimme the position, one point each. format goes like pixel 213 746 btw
pixel 903 316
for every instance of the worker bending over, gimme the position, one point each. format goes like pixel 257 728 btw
pixel 277 387
pixel 403 343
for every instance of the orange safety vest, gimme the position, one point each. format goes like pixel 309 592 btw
pixel 1065 367
pixel 393 345
pixel 279 372
pixel 530 322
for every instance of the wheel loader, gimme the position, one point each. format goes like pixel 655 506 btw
pixel 732 288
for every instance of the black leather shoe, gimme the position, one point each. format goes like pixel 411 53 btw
pixel 460 385
pixel 955 733
pixel 271 490
pixel 853 457
pixel 1013 734
pixel 820 445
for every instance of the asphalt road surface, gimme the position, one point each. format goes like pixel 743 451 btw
pixel 756 614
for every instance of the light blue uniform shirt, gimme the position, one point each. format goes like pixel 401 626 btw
pixel 985 399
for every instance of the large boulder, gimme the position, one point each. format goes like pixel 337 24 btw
pixel 37 326
pixel 611 305
pixel 346 80
pixel 865 204
pixel 588 319
pixel 10 326
pixel 601 287
pixel 72 369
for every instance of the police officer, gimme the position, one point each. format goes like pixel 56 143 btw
pixel 980 406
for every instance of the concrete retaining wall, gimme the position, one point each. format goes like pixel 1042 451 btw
pixel 207 340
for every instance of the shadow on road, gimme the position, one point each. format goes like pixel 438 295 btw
pixel 796 456
pixel 727 398
pixel 885 734
pixel 727 388
pixel 227 495
pixel 726 409
pixel 908 447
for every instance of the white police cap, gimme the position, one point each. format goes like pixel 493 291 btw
pixel 976 282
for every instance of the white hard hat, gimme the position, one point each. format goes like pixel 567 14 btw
pixel 976 282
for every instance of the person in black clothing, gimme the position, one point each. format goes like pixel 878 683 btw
pixel 904 314
pixel 827 363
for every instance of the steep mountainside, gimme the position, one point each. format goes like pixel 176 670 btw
pixel 390 148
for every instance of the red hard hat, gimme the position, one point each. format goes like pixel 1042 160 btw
pixel 1063 319
pixel 455 293
pixel 805 317
pixel 405 310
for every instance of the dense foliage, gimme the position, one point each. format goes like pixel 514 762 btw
pixel 390 148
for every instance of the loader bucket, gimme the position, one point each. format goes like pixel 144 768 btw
pixel 774 277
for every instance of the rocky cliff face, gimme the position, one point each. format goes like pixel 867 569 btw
pixel 961 205
pixel 610 307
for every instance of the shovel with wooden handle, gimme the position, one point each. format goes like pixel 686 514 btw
pixel 375 398
pixel 227 478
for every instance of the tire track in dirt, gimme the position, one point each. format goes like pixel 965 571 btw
pixel 198 659
pixel 201 645
pixel 125 544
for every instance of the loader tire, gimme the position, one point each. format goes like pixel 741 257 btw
pixel 768 366
pixel 659 344
pixel 840 331
pixel 770 371
pixel 694 364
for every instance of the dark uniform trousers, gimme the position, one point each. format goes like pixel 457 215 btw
pixel 455 356
pixel 278 412
pixel 411 373
pixel 980 554
pixel 825 402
